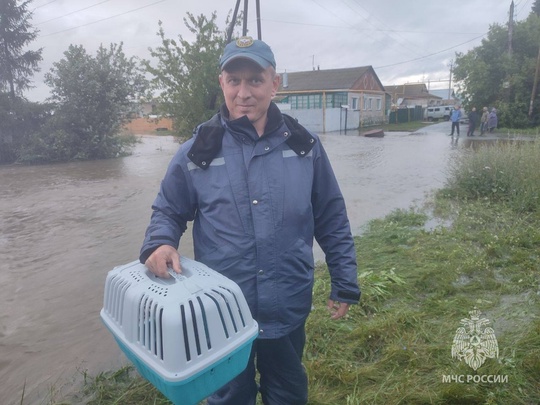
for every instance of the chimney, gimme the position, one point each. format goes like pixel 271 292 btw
pixel 285 80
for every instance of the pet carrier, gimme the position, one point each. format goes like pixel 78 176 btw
pixel 188 334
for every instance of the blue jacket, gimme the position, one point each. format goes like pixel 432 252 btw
pixel 456 115
pixel 256 205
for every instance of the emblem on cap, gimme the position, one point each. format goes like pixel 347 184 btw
pixel 244 42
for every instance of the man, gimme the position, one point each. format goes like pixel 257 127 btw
pixel 473 120
pixel 259 187
pixel 455 117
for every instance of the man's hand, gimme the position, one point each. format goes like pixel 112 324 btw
pixel 337 309
pixel 161 259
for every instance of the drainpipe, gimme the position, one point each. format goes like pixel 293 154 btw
pixel 324 111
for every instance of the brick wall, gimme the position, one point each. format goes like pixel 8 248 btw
pixel 140 126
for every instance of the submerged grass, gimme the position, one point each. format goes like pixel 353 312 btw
pixel 418 283
pixel 506 172
pixel 396 349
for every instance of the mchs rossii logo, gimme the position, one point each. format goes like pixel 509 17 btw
pixel 474 343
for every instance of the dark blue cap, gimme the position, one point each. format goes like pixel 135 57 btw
pixel 248 48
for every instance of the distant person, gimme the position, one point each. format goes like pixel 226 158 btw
pixel 492 120
pixel 473 121
pixel 455 117
pixel 484 120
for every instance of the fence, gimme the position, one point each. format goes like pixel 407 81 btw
pixel 334 119
pixel 406 115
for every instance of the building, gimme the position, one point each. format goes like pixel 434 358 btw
pixel 143 119
pixel 448 96
pixel 411 95
pixel 334 99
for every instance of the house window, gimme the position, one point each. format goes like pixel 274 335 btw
pixel 355 103
pixel 367 103
pixel 379 104
pixel 336 100
pixel 306 101
pixel 314 101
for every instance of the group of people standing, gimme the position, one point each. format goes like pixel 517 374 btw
pixel 488 120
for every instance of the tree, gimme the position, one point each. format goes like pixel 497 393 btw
pixel 186 76
pixel 16 66
pixel 94 96
pixel 536 7
pixel 490 76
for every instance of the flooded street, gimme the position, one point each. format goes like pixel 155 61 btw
pixel 63 227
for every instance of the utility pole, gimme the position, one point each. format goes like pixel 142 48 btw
pixel 245 19
pixel 535 84
pixel 244 28
pixel 450 80
pixel 258 8
pixel 510 28
pixel 233 21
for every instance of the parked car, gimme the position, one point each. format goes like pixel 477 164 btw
pixel 438 112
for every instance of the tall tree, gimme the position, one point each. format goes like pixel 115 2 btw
pixel 94 96
pixel 186 75
pixel 536 7
pixel 490 77
pixel 16 65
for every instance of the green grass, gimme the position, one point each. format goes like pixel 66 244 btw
pixel 418 283
pixel 507 172
pixel 405 126
pixel 534 131
pixel 395 347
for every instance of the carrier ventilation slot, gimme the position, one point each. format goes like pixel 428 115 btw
pixel 195 329
pixel 195 309
pixel 150 334
pixel 157 289
pixel 237 306
pixel 205 323
pixel 185 332
pixel 231 316
pixel 115 297
pixel 136 275
pixel 220 315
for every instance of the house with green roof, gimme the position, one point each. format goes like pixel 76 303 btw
pixel 334 99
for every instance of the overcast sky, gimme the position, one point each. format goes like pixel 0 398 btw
pixel 404 41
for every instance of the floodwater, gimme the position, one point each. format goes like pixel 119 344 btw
pixel 63 227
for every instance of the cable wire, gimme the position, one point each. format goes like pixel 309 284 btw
pixel 103 19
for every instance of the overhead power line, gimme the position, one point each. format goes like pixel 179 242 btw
pixel 432 54
pixel 103 19
pixel 73 12
pixel 348 27
pixel 43 5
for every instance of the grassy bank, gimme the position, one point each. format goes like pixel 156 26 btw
pixel 405 126
pixel 422 271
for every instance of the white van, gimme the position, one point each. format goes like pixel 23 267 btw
pixel 438 112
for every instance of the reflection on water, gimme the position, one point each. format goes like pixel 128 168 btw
pixel 63 227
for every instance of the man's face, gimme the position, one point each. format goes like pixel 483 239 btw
pixel 248 90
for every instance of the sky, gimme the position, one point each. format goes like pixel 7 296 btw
pixel 404 41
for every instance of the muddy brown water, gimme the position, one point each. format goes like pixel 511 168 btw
pixel 63 227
